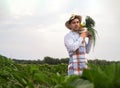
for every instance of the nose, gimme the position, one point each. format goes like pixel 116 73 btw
pixel 76 23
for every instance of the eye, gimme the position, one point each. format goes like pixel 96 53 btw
pixel 73 22
pixel 77 22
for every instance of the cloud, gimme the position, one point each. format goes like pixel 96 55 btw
pixel 37 28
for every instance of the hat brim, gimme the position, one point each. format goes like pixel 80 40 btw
pixel 67 23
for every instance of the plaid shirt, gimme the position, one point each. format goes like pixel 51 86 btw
pixel 77 48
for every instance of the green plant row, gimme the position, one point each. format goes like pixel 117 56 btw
pixel 14 75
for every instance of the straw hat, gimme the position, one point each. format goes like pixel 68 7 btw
pixel 67 24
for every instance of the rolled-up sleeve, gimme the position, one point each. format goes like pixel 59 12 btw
pixel 71 44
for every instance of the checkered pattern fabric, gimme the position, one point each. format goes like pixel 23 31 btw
pixel 77 61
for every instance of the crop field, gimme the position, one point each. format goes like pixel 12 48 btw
pixel 13 75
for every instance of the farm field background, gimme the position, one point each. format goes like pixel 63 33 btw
pixel 102 74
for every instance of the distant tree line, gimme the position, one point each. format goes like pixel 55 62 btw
pixel 53 61
pixel 46 60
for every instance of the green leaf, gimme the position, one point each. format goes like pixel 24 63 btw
pixel 90 24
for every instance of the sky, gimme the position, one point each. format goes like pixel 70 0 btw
pixel 33 29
